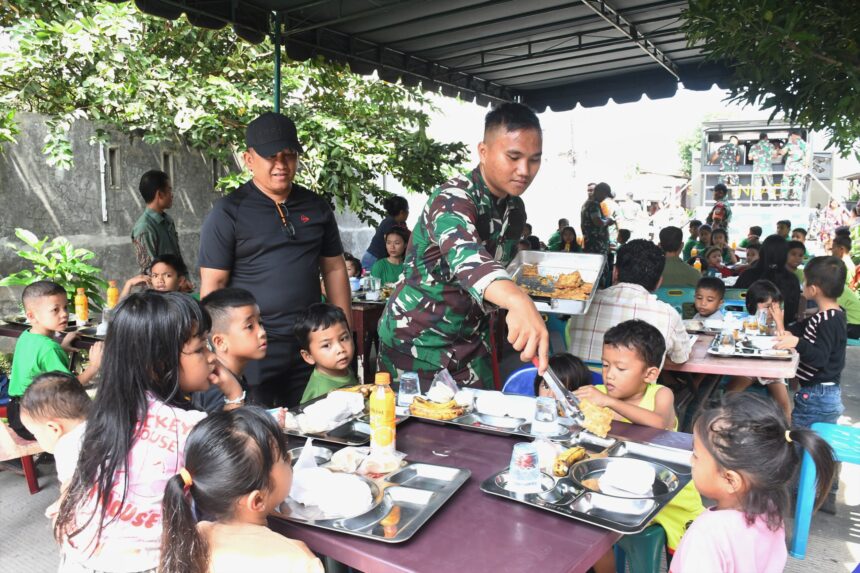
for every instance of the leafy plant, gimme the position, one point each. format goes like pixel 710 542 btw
pixel 169 82
pixel 58 261
pixel 798 59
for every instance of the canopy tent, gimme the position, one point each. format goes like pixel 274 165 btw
pixel 546 53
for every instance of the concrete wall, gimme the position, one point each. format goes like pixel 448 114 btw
pixel 51 202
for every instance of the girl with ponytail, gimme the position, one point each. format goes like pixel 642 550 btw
pixel 237 470
pixel 746 458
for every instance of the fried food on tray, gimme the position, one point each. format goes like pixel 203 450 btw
pixel 597 419
pixel 566 286
pixel 424 408
pixel 569 280
pixel 530 271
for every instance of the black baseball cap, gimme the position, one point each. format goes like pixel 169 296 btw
pixel 272 132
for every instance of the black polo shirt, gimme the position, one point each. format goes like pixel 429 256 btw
pixel 244 234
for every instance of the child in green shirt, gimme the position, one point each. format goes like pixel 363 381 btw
pixel 326 342
pixel 388 270
pixel 37 351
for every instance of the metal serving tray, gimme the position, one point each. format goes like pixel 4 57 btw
pixel 742 351
pixel 568 497
pixel 551 263
pixel 417 490
pixel 353 431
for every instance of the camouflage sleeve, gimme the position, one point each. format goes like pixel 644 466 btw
pixel 452 224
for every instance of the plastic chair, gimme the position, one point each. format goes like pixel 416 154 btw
pixel 521 382
pixel 845 442
pixel 677 296
pixel 643 550
pixel 853 342
pixel 735 299
pixel 556 326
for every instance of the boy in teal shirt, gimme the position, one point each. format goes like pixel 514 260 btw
pixel 326 342
pixel 37 351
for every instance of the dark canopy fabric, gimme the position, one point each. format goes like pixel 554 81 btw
pixel 546 53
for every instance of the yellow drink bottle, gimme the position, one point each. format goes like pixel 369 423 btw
pixel 698 265
pixel 112 294
pixel 82 308
pixel 382 423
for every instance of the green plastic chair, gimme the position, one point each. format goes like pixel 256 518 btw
pixel 735 299
pixel 643 551
pixel 677 296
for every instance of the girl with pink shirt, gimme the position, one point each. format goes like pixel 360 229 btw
pixel 745 458
pixel 155 353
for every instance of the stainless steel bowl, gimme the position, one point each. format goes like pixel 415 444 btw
pixel 321 455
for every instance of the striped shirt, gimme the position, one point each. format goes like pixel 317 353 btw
pixel 626 301
pixel 823 337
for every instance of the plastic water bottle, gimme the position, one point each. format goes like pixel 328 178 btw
pixel 382 416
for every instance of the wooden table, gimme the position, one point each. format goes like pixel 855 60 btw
pixel 365 324
pixel 700 362
pixel 14 330
pixel 475 531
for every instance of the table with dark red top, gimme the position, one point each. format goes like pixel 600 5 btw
pixel 13 330
pixel 475 531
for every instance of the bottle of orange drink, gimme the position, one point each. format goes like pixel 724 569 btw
pixel 382 422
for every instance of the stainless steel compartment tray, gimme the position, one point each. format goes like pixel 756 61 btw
pixel 550 263
pixel 745 352
pixel 621 514
pixel 419 490
pixel 354 431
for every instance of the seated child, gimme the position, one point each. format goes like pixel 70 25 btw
pixel 54 408
pixel 700 247
pixel 353 266
pixel 764 295
pixel 389 269
pixel 841 249
pixel 37 350
pixel 796 254
pixel 237 337
pixel 326 344
pixel 633 353
pixel 713 264
pixel 720 239
pixel 571 371
pixel 524 245
pixel 568 241
pixel 622 237
pixel 752 256
pixel 745 458
pixel 798 234
pixel 693 241
pixel 237 471
pixel 167 273
pixel 710 292
pixel 752 238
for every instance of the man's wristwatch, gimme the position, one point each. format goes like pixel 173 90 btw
pixel 238 400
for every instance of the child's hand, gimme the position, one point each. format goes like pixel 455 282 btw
pixel 96 354
pixel 785 341
pixel 137 281
pixel 185 285
pixel 593 395
pixel 68 340
pixel 225 382
pixel 778 317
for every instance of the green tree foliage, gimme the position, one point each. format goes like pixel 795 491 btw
pixel 798 59
pixel 168 81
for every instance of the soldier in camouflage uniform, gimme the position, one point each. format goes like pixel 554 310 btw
pixel 454 272
pixel 762 154
pixel 795 165
pixel 728 156
pixel 595 228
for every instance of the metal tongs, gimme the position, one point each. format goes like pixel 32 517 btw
pixel 569 402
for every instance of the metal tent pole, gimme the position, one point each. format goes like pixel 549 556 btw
pixel 276 39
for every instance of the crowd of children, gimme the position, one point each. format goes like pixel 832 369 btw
pixel 179 474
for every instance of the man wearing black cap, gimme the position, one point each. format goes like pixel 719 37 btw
pixel 275 238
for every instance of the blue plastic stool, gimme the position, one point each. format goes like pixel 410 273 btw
pixel 521 382
pixel 643 550
pixel 845 442
pixel 596 369
pixel 853 342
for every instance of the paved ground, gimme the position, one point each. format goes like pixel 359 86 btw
pixel 26 544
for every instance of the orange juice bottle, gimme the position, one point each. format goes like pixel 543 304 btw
pixel 694 252
pixel 112 294
pixel 697 264
pixel 82 309
pixel 382 424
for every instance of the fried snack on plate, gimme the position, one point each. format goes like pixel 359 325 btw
pixel 364 389
pixel 530 271
pixel 597 419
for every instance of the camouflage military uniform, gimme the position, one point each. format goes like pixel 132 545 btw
pixel 794 168
pixel 595 238
pixel 436 317
pixel 762 154
pixel 727 157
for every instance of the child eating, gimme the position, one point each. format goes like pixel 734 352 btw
pixel 633 353
pixel 710 292
pixel 764 295
pixel 326 344
pixel 54 409
pixel 571 371
pixel 720 239
pixel 388 270
pixel 353 266
pixel 744 458
pixel 237 337
pixel 37 350
pixel 237 471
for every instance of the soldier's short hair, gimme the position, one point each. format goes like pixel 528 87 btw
pixel 511 116
pixel 762 136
